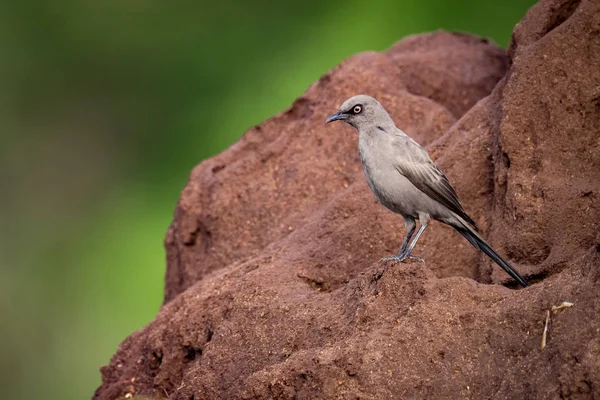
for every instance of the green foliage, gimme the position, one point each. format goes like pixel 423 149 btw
pixel 105 106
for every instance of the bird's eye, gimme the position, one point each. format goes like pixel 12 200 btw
pixel 357 109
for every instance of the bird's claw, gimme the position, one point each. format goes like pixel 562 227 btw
pixel 417 258
pixel 395 258
pixel 400 257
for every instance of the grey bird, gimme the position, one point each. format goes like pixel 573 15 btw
pixel 405 180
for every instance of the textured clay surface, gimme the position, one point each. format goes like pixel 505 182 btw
pixel 275 244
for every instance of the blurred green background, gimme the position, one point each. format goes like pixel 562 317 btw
pixel 105 106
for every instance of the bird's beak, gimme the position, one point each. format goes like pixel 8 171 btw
pixel 338 116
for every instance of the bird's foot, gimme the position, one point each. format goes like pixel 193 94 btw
pixel 395 258
pixel 401 257
pixel 417 258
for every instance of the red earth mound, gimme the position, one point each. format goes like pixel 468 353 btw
pixel 270 290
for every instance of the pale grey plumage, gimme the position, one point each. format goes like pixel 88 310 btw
pixel 405 180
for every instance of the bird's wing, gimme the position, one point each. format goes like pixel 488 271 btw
pixel 417 167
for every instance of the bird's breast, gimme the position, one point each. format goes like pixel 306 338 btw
pixel 386 183
pixel 392 189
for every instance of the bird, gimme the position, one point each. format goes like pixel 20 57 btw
pixel 405 180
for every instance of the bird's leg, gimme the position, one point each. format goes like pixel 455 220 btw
pixel 410 225
pixel 414 242
pixel 404 253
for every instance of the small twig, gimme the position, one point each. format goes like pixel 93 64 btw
pixel 555 309
pixel 545 330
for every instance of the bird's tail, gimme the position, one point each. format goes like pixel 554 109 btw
pixel 477 241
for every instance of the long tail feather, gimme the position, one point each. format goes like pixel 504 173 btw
pixel 478 242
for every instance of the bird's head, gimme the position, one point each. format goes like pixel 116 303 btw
pixel 362 112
